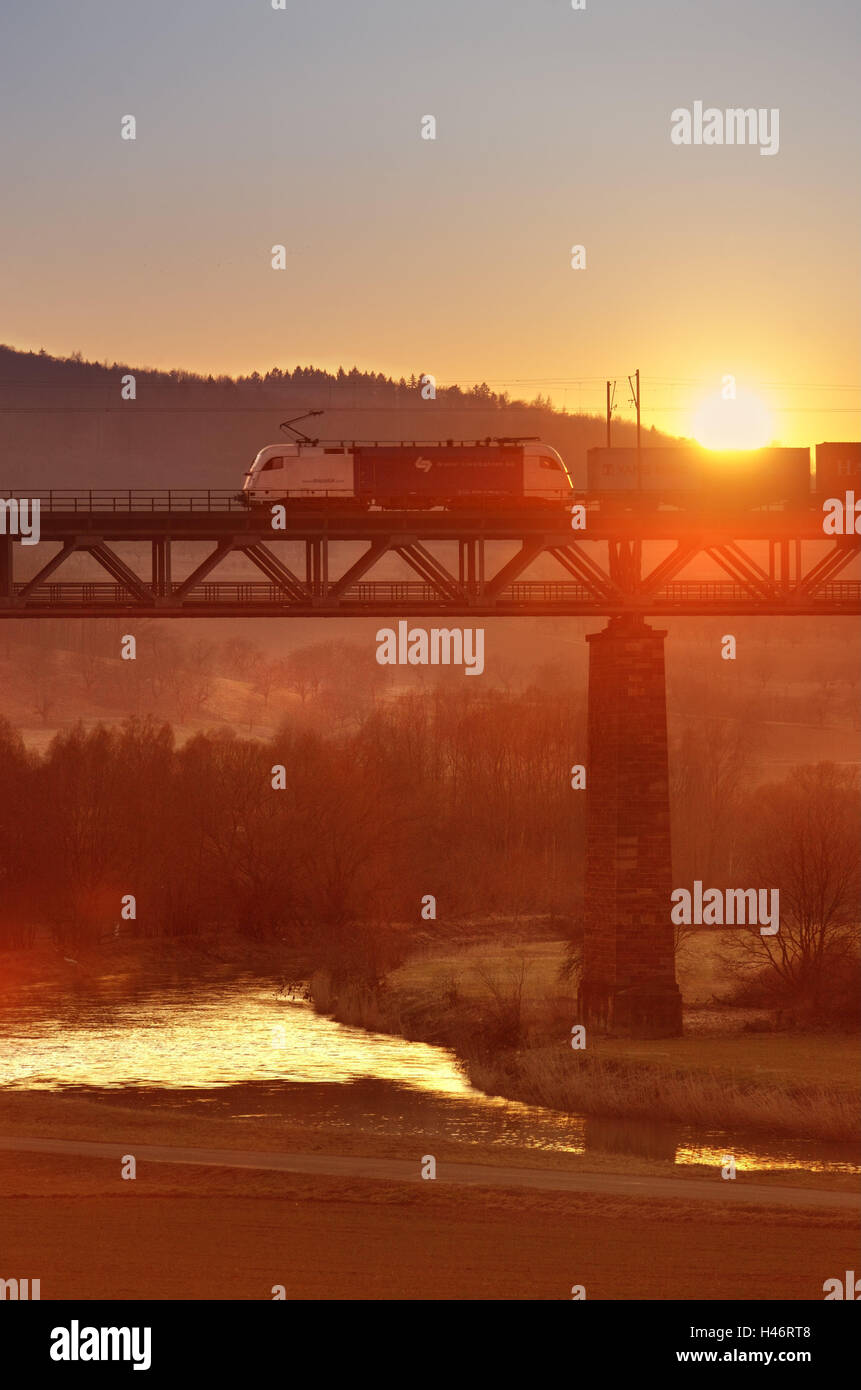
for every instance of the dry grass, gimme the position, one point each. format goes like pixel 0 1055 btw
pixel 565 1080
pixel 504 1010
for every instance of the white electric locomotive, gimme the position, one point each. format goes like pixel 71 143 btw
pixel 408 475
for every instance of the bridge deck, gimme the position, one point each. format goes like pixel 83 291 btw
pixel 790 567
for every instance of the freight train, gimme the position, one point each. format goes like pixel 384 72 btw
pixel 526 472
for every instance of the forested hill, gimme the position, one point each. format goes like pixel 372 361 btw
pixel 64 423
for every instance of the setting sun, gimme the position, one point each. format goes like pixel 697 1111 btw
pixel 741 422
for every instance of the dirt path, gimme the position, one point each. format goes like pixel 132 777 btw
pixel 459 1174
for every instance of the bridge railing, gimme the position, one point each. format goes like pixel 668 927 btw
pixel 684 594
pixel 65 500
pixel 83 500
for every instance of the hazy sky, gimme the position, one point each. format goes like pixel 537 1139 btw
pixel 302 126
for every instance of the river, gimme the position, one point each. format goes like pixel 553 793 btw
pixel 240 1048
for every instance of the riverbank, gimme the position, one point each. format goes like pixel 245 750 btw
pixel 506 1014
pixel 132 958
pixel 268 1119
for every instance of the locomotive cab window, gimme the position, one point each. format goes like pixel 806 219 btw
pixel 547 462
pixel 272 463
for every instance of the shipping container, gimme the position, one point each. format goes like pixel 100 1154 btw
pixel 756 477
pixel 838 469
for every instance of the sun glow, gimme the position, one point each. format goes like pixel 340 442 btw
pixel 740 422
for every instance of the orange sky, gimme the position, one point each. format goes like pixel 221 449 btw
pixel 451 256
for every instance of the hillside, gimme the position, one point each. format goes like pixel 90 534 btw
pixel 63 422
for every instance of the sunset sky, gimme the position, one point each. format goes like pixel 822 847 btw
pixel 452 256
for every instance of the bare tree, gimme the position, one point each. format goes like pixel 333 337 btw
pixel 709 764
pixel 267 676
pixel 41 672
pixel 802 838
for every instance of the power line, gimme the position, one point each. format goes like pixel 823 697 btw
pixel 288 384
pixel 358 409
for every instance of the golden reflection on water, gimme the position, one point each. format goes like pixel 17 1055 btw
pixel 220 1041
pixel 239 1032
pixel 749 1161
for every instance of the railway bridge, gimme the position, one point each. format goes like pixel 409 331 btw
pixel 473 562
pixel 600 569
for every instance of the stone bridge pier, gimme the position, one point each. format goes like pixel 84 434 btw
pixel 629 982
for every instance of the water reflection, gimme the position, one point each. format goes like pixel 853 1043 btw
pixel 227 1037
pixel 235 1049
pixel 649 1139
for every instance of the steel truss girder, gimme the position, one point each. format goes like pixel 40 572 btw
pixel 429 568
pixel 376 550
pixel 616 586
pixel 513 568
pixel 626 564
pixel 826 568
pixel 583 567
pixel 206 566
pixel 107 558
pixel 48 569
pixel 669 567
pixel 119 570
pixel 741 568
pixel 161 568
pixel 276 570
